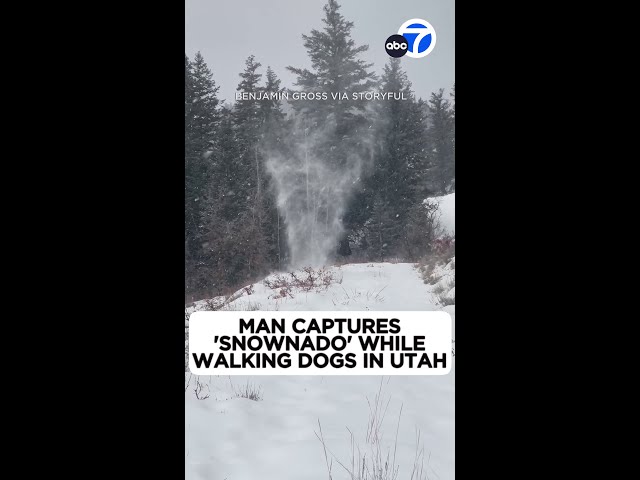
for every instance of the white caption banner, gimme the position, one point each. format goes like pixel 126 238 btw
pixel 320 343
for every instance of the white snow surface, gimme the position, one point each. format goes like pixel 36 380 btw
pixel 233 438
pixel 447 212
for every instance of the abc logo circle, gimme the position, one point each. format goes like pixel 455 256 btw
pixel 396 45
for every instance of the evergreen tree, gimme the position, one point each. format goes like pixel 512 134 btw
pixel 380 231
pixel 424 169
pixel 204 114
pixel 200 123
pixel 189 264
pixel 247 123
pixel 453 129
pixel 271 115
pixel 339 127
pixel 225 167
pixel 453 103
pixel 188 100
pixel 336 69
pixel 241 215
pixel 421 229
pixel 399 163
pixel 273 140
pixel 441 137
pixel 225 217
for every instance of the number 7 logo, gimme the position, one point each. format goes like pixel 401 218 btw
pixel 420 35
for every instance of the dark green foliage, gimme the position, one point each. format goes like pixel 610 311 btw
pixel 201 118
pixel 441 135
pixel 336 68
pixel 233 232
pixel 380 234
pixel 421 230
pixel 401 167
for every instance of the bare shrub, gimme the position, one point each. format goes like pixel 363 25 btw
pixel 444 247
pixel 375 461
pixel 199 387
pixel 222 303
pixel 355 295
pixel 444 301
pixel 443 251
pixel 285 285
pixel 249 391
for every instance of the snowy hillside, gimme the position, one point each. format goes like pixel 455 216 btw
pixel 274 438
pixel 447 204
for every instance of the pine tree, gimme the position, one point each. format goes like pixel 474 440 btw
pixel 453 103
pixel 421 229
pixel 336 69
pixel 334 130
pixel 441 136
pixel 204 120
pixel 203 108
pixel 247 123
pixel 272 141
pixel 188 100
pixel 228 228
pixel 453 129
pixel 399 162
pixel 400 166
pixel 189 220
pixel 200 123
pixel 247 112
pixel 379 231
pixel 271 115
pixel 225 168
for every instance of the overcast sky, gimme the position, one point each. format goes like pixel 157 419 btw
pixel 226 32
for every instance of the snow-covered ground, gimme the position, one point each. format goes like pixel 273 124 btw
pixel 447 205
pixel 274 439
pixel 233 438
pixel 357 286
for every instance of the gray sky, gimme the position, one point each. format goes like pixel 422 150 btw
pixel 226 32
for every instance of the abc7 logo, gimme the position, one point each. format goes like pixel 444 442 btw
pixel 396 45
pixel 416 38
